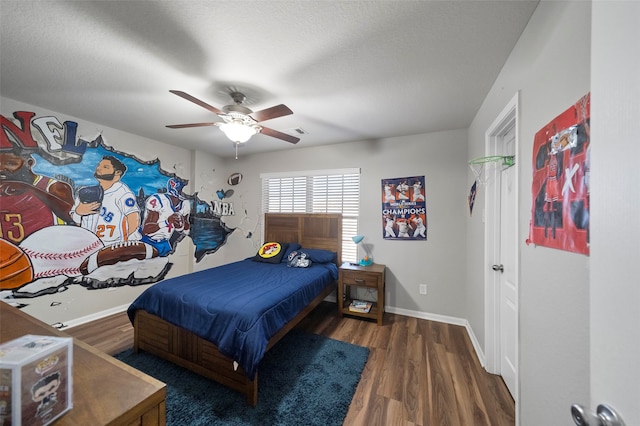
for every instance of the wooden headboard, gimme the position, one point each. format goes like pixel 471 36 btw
pixel 310 230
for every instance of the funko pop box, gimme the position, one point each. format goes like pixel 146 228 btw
pixel 35 380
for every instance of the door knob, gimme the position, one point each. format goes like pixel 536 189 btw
pixel 498 268
pixel 605 415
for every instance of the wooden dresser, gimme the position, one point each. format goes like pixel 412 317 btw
pixel 105 390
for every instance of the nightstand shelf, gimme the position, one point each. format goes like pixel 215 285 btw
pixel 354 276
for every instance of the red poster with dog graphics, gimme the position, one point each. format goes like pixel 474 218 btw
pixel 560 187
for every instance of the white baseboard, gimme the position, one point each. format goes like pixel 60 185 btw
pixel 331 298
pixel 445 319
pixel 98 315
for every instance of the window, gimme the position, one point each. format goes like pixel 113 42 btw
pixel 318 191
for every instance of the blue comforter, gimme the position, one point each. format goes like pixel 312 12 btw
pixel 238 306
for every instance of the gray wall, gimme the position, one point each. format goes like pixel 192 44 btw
pixel 550 67
pixel 441 158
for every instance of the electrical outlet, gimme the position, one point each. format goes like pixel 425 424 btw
pixel 423 289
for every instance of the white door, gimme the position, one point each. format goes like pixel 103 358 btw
pixel 508 273
pixel 615 208
pixel 501 251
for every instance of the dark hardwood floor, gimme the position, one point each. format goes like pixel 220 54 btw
pixel 419 372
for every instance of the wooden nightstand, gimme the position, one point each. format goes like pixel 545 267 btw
pixel 371 276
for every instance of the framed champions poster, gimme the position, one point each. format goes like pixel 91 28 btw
pixel 404 211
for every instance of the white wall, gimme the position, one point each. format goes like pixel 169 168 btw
pixel 550 67
pixel 209 175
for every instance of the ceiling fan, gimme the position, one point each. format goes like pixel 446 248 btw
pixel 239 122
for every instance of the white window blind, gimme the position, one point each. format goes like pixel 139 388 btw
pixel 318 191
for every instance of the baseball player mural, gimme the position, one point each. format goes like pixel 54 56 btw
pixel 29 201
pixel 84 216
pixel 166 215
pixel 110 210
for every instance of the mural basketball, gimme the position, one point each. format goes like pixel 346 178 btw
pixel 15 266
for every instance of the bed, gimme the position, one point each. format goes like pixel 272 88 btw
pixel 243 308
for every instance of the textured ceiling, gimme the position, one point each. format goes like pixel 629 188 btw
pixel 349 70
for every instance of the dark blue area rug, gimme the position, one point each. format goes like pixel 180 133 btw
pixel 305 379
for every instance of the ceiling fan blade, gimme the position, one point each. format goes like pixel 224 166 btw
pixel 196 101
pixel 276 134
pixel 270 113
pixel 182 126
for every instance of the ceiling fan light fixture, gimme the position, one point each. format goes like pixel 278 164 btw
pixel 240 123
pixel 239 132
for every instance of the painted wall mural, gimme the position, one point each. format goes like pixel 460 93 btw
pixel 78 212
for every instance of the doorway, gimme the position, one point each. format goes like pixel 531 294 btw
pixel 501 255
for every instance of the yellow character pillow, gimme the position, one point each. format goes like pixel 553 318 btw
pixel 271 252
